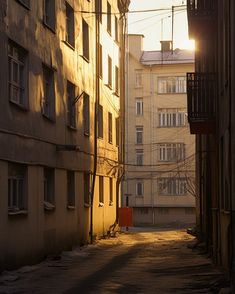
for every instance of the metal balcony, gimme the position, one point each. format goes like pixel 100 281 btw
pixel 201 92
pixel 200 18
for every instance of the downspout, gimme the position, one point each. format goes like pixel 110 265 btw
pixel 121 152
pixel 97 95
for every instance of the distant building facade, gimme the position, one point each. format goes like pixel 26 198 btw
pixel 61 101
pixel 159 151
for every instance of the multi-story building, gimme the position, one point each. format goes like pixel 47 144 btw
pixel 60 103
pixel 159 150
pixel 212 118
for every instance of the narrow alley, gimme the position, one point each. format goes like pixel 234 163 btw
pixel 139 261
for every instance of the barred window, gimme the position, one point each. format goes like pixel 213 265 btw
pixel 171 119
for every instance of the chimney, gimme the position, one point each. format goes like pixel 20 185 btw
pixel 166 46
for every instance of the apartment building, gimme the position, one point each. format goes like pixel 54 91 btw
pixel 159 151
pixel 61 100
pixel 211 116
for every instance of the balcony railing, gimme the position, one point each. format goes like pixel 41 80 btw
pixel 200 16
pixel 201 92
pixel 200 7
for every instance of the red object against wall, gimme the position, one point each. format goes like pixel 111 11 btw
pixel 125 217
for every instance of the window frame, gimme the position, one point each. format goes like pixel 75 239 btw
pixel 18 56
pixel 111 191
pixel 71 106
pixel 85 40
pixel 49 188
pixel 17 188
pixel 100 122
pixel 86 114
pixel 110 128
pixel 139 157
pixel 51 24
pixel 139 135
pixel 139 184
pixel 109 18
pixel 174 186
pixel 69 25
pixel 171 152
pixel 110 72
pixel 171 85
pixel 101 190
pixel 48 99
pixel 71 195
pixel 139 106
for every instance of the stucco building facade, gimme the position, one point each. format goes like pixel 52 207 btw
pixel 159 151
pixel 60 105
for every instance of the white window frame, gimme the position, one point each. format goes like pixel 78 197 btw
pixel 171 119
pixel 172 186
pixel 171 152
pixel 139 157
pixel 17 194
pixel 17 76
pixel 139 134
pixel 139 106
pixel 171 85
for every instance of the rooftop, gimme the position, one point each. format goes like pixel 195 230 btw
pixel 177 56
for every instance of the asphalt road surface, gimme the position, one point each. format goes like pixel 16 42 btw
pixel 139 261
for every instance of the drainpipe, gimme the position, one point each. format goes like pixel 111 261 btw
pixel 97 96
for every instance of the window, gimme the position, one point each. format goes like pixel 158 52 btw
pixel 87 187
pixel 48 103
pixel 98 8
pixel 109 18
pixel 17 194
pixel 172 186
pixel 116 80
pixel 171 152
pixel 110 127
pixel 86 114
pixel 49 188
pixel 110 71
pixel 171 85
pixel 139 106
pixel 140 188
pixel 101 189
pixel 85 39
pixel 17 75
pixel 138 79
pixel 117 130
pixel 71 106
pixel 101 61
pixel 100 121
pixel 139 157
pixel 25 3
pixel 110 191
pixel 70 189
pixel 116 30
pixel 49 13
pixel 139 135
pixel 69 37
pixel 171 119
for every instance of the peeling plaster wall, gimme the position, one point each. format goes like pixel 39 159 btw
pixel 27 137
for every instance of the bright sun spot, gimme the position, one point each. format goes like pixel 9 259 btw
pixel 187 44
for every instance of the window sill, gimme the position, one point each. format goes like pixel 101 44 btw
pixel 49 206
pixel 70 207
pixel 48 27
pixel 69 45
pixel 86 134
pixel 87 205
pixel 51 120
pixel 71 128
pixel 101 138
pixel 138 87
pixel 116 94
pixel 85 58
pixel 101 204
pixel 19 106
pixel 109 86
pixel 17 212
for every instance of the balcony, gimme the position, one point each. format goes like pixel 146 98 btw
pixel 201 92
pixel 200 18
